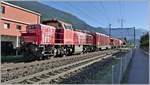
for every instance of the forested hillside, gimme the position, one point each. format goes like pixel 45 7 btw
pixel 48 12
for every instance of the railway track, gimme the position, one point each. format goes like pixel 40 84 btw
pixel 17 66
pixel 50 70
pixel 10 66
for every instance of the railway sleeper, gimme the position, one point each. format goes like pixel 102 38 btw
pixel 68 72
pixel 71 67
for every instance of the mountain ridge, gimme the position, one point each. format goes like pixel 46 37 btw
pixel 48 12
pixel 126 32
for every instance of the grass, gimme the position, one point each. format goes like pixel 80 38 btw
pixel 104 76
pixel 126 75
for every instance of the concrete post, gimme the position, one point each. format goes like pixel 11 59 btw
pixel 112 74
pixel 17 44
pixel 0 47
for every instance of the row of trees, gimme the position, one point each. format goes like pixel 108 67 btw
pixel 144 42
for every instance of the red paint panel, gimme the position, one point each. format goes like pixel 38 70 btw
pixel 89 39
pixel 102 39
pixel 40 34
pixel 79 38
pixel 68 36
pixel 47 34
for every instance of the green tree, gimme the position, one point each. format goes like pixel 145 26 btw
pixel 144 42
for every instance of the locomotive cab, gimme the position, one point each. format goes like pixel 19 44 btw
pixel 38 41
pixel 63 36
pixel 30 35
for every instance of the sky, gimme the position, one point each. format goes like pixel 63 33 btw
pixel 103 13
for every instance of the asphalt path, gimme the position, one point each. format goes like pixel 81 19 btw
pixel 139 71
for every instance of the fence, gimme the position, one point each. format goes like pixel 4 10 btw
pixel 119 69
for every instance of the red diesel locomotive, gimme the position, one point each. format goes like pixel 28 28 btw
pixel 59 38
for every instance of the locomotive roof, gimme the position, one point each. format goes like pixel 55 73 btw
pixel 55 20
pixel 117 38
pixel 41 25
pixel 46 25
pixel 102 34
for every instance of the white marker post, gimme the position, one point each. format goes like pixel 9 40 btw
pixel 112 74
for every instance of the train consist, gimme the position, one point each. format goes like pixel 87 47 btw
pixel 57 38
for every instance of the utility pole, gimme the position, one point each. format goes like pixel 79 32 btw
pixel 134 36
pixel 109 30
pixel 121 24
pixel 112 79
pixel 121 60
pixel 110 34
pixel 121 21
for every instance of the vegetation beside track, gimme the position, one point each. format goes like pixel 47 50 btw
pixel 144 42
pixel 99 72
pixel 125 77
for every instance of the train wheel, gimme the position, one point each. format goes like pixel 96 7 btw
pixel 28 57
pixel 82 53
pixel 39 56
pixel 64 52
pixel 43 57
pixel 54 52
pixel 64 55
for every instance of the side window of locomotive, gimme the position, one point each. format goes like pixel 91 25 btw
pixel 67 27
pixel 59 26
pixel 18 27
pixel 2 9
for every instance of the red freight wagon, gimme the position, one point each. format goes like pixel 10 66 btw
pixel 39 34
pixel 89 39
pixel 115 42
pixel 79 38
pixel 112 42
pixel 102 41
pixel 120 43
pixel 83 41
pixel 98 40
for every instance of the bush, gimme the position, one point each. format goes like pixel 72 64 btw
pixel 144 42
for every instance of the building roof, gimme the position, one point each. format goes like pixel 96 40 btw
pixel 20 8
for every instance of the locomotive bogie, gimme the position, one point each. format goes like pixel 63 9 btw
pixel 79 38
pixel 64 50
pixel 89 48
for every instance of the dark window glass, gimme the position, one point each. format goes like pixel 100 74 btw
pixel 18 27
pixel 6 25
pixel 3 9
pixel 59 25
pixel 67 27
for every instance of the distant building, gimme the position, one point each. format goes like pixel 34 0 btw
pixel 13 21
